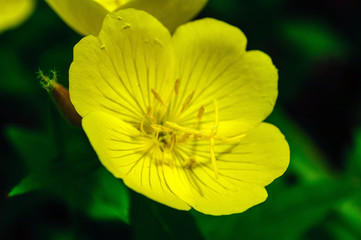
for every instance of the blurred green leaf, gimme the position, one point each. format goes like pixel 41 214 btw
pixel 313 39
pixel 34 147
pixel 151 220
pixel 349 214
pixel 14 77
pixel 354 155
pixel 53 176
pixel 285 215
pixel 339 231
pixel 307 162
pixel 103 197
pixel 64 167
pixel 50 165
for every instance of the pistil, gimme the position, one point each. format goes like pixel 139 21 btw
pixel 168 139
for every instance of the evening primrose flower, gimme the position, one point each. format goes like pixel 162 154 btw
pixel 179 118
pixel 14 12
pixel 86 16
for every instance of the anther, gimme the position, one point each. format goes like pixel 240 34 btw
pixel 161 128
pixel 188 100
pixel 157 96
pixel 200 114
pixel 184 138
pixel 176 87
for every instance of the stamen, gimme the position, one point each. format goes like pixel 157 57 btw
pixel 230 139
pixel 161 128
pixel 176 90
pixel 157 96
pixel 201 135
pixel 176 87
pixel 216 118
pixel 183 129
pixel 150 114
pixel 184 138
pixel 213 158
pixel 188 100
pixel 172 141
pixel 200 114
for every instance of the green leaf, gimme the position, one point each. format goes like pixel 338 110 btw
pixel 34 147
pixel 354 155
pixel 349 214
pixel 307 161
pixel 286 214
pixel 151 220
pixel 53 176
pixel 313 39
pixel 15 79
pixel 106 198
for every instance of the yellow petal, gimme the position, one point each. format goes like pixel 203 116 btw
pixel 171 13
pixel 115 72
pixel 128 155
pixel 214 64
pixel 84 16
pixel 14 12
pixel 111 5
pixel 244 169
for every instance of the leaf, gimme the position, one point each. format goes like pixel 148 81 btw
pixel 15 79
pixel 313 39
pixel 307 161
pixel 354 155
pixel 34 147
pixel 285 215
pixel 55 155
pixel 103 197
pixel 52 176
pixel 151 220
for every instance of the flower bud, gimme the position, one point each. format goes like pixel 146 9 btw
pixel 60 95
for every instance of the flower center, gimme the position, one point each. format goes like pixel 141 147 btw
pixel 167 135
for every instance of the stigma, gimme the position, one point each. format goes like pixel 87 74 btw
pixel 167 134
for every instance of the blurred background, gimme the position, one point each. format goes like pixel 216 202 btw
pixel 52 185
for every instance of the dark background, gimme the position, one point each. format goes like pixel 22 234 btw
pixel 60 191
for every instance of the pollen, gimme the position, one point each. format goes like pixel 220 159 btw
pixel 157 96
pixel 200 114
pixel 187 101
pixel 169 135
pixel 176 87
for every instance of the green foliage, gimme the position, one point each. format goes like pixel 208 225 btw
pixel 294 210
pixel 101 196
pixel 307 162
pixel 314 39
pixel 69 169
pixel 151 220
pixel 43 158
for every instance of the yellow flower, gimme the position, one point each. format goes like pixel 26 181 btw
pixel 179 118
pixel 14 12
pixel 86 16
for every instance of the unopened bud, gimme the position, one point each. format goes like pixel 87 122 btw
pixel 60 95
